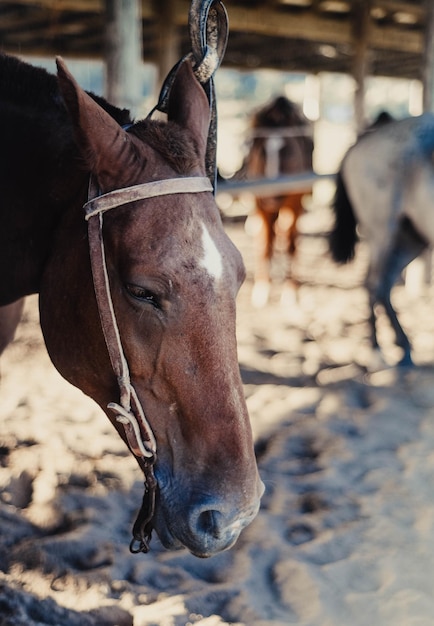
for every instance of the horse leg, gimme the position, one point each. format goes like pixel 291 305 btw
pixel 295 206
pixel 376 360
pixel 266 235
pixel 10 315
pixel 407 245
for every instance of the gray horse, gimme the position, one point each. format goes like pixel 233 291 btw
pixel 385 190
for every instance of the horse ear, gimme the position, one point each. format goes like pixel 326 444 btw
pixel 104 145
pixel 188 106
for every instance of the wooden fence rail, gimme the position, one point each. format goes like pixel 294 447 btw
pixel 272 187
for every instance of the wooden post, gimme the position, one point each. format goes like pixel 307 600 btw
pixel 361 27
pixel 123 53
pixel 166 37
pixel 428 66
pixel 419 272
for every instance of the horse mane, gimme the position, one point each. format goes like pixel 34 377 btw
pixel 382 119
pixel 36 89
pixel 23 84
pixel 28 86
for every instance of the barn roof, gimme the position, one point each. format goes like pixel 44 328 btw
pixel 290 35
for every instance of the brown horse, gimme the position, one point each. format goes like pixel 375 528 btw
pixel 139 308
pixel 281 143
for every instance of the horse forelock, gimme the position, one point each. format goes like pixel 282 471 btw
pixel 173 143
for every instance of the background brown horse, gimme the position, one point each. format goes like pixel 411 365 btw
pixel 281 143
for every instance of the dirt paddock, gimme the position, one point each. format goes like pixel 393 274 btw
pixel 345 535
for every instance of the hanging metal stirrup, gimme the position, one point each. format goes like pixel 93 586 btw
pixel 208 27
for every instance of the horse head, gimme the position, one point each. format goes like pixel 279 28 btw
pixel 174 276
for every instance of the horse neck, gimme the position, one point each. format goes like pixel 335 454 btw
pixel 39 179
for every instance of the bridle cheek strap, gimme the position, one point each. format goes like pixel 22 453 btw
pixel 129 411
pixel 129 417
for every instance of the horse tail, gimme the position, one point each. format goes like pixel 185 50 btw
pixel 343 237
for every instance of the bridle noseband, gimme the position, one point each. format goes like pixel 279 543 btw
pixel 129 411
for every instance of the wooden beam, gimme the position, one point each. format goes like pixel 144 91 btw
pixel 361 17
pixel 123 53
pixel 85 6
pixel 318 27
pixel 396 6
pixel 166 36
pixel 263 23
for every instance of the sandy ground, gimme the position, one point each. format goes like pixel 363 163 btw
pixel 345 535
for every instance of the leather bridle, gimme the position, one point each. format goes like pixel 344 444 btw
pixel 208 26
pixel 129 411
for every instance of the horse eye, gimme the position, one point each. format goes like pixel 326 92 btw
pixel 141 293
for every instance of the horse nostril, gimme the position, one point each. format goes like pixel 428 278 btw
pixel 212 528
pixel 210 523
pixel 217 525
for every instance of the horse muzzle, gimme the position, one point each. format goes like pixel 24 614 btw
pixel 205 527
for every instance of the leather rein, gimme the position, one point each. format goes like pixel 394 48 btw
pixel 129 411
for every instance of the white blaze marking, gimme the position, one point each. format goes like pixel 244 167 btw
pixel 212 261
